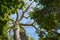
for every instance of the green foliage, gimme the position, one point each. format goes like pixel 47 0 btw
pixel 8 7
pixel 2 24
pixel 31 38
pixel 48 17
pixel 45 19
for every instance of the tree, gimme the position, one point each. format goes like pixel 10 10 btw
pixel 8 8
pixel 47 18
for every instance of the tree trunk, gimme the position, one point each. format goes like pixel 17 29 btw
pixel 17 32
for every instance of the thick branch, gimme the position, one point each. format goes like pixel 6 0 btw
pixel 29 25
pixel 26 24
pixel 25 11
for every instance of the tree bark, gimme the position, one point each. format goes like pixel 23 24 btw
pixel 17 32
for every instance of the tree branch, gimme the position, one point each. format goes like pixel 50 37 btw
pixel 23 12
pixel 11 27
pixel 11 20
pixel 7 16
pixel 29 25
pixel 35 27
pixel 17 16
pixel 22 28
pixel 26 24
pixel 25 17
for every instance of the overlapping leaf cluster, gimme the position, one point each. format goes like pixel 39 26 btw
pixel 48 17
pixel 8 7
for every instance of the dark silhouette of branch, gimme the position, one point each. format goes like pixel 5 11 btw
pixel 17 16
pixel 35 27
pixel 11 20
pixel 22 28
pixel 29 25
pixel 53 30
pixel 23 12
pixel 26 24
pixel 25 17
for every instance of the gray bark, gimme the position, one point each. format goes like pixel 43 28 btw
pixel 17 32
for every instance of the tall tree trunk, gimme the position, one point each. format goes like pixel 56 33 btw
pixel 17 32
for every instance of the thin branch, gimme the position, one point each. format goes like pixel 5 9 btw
pixel 23 12
pixel 35 27
pixel 11 27
pixel 21 17
pixel 28 7
pixel 17 16
pixel 11 20
pixel 22 28
pixel 26 17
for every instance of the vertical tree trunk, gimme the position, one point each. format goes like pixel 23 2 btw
pixel 17 32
